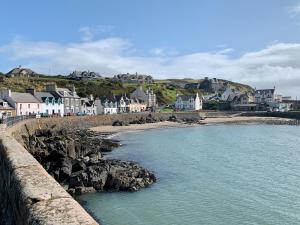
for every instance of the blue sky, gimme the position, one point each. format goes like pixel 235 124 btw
pixel 256 42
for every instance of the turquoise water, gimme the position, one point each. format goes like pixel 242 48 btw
pixel 225 174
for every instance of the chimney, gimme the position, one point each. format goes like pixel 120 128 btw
pixel 71 87
pixel 51 87
pixel 31 91
pixel 91 97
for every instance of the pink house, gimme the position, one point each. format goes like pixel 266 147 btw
pixel 24 103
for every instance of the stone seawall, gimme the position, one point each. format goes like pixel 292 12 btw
pixel 288 115
pixel 29 195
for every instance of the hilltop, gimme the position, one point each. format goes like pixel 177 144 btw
pixel 165 90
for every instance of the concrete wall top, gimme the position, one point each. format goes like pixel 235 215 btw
pixel 32 195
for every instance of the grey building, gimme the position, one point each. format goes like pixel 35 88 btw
pixel 146 96
pixel 21 72
pixel 87 106
pixel 99 106
pixel 69 97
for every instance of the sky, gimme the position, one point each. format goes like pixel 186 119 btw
pixel 256 42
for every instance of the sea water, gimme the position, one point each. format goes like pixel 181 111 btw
pixel 211 175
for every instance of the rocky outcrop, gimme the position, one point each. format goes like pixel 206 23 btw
pixel 75 160
pixel 139 120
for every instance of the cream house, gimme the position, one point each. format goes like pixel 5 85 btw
pixel 136 106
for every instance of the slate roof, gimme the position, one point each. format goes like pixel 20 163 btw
pixel 186 97
pixel 42 95
pixel 19 70
pixel 60 93
pixel 5 108
pixel 24 98
pixel 265 91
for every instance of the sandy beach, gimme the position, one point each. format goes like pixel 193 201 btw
pixel 207 121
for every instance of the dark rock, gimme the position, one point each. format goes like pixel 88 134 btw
pixel 73 158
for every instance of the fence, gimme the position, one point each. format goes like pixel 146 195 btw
pixel 10 121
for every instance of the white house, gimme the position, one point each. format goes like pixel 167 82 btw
pixel 110 107
pixel 24 103
pixel 123 103
pixel 264 95
pixel 188 102
pixel 51 105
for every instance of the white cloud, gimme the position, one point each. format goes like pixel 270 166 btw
pixel 89 32
pixel 277 64
pixel 225 51
pixel 296 9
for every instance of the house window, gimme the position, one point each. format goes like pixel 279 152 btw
pixel 20 106
pixel 28 106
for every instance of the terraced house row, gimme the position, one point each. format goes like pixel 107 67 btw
pixel 55 101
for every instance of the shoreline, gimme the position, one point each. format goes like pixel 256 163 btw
pixel 113 131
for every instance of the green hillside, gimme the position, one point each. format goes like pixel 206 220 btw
pixel 165 90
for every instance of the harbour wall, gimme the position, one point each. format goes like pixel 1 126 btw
pixel 288 115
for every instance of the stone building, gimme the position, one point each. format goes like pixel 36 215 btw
pixel 123 103
pixel 134 78
pixel 21 72
pixel 88 106
pixel 264 95
pixel 70 99
pixel 99 106
pixel 84 75
pixel 148 97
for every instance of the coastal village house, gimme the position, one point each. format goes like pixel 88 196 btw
pixel 70 99
pixel 148 97
pixel 99 106
pixel 264 95
pixel 50 105
pixel 24 103
pixel 188 102
pixel 88 106
pixel 84 75
pixel 110 107
pixel 21 72
pixel 123 103
pixel 6 110
pixel 134 78
pixel 135 106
